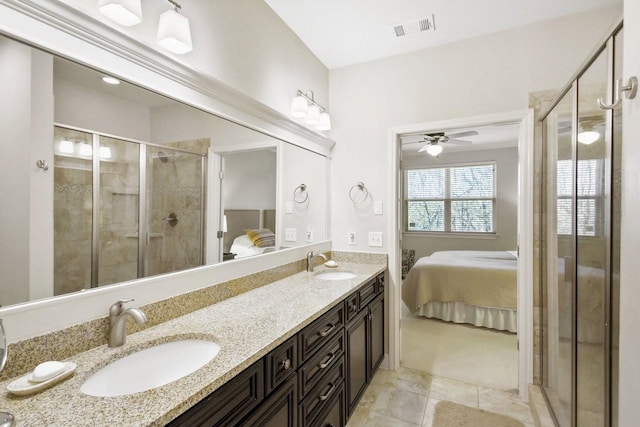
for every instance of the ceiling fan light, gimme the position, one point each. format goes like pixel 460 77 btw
pixel 324 122
pixel 124 12
pixel 299 107
pixel 434 149
pixel 588 137
pixel 313 115
pixel 174 33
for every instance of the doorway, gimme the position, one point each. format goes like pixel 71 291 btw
pixel 524 232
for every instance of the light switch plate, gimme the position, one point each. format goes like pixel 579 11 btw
pixel 377 207
pixel 288 207
pixel 290 235
pixel 375 239
pixel 351 238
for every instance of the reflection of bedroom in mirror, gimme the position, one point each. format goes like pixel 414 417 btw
pixel 459 260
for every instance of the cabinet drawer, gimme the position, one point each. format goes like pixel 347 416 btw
pixel 367 293
pixel 334 415
pixel 380 284
pixel 313 370
pixel 280 364
pixel 351 307
pixel 320 397
pixel 314 336
pixel 230 403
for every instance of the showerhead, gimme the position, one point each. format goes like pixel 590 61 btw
pixel 164 158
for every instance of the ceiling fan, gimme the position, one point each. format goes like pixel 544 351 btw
pixel 434 140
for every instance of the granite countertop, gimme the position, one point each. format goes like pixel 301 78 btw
pixel 246 327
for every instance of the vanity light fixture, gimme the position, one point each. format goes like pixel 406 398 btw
pixel 85 149
pixel 174 33
pixel 105 152
pixel 125 12
pixel 110 80
pixel 303 106
pixel 434 149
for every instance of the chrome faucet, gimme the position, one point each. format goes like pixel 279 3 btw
pixel 118 321
pixel 311 257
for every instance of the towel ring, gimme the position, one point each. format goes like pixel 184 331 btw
pixel 299 192
pixel 359 189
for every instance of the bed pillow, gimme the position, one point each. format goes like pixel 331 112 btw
pixel 262 238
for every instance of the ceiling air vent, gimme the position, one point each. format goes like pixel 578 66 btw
pixel 410 27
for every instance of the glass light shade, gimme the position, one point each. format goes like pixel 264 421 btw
pixel 105 152
pixel 110 80
pixel 313 115
pixel 66 147
pixel 174 33
pixel 299 107
pixel 434 150
pixel 85 149
pixel 124 12
pixel 588 137
pixel 324 122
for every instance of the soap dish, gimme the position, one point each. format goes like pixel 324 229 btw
pixel 22 386
pixel 331 264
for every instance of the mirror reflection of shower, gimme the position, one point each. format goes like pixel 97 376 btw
pixel 106 229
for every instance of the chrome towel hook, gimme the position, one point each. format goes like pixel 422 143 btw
pixel 630 90
pixel 42 164
pixel 358 193
pixel 300 194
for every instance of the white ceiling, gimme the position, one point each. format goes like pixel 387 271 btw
pixel 342 33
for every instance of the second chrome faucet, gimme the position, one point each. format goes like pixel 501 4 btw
pixel 118 321
pixel 311 259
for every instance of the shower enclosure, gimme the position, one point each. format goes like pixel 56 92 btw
pixel 123 209
pixel 580 243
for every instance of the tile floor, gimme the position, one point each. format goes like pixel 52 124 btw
pixel 407 398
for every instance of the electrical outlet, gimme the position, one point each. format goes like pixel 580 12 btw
pixel 290 235
pixel 309 235
pixel 377 207
pixel 351 238
pixel 375 239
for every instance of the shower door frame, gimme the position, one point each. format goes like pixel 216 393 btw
pixel 142 199
pixel 606 45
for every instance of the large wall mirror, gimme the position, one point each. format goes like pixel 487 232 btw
pixel 107 182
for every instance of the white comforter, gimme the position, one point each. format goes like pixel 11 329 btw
pixel 480 278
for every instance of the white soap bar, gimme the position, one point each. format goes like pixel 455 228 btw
pixel 331 264
pixel 46 371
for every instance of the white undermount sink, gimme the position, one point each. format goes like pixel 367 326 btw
pixel 150 368
pixel 335 275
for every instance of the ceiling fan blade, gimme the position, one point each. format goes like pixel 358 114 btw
pixel 458 142
pixel 463 134
pixel 423 148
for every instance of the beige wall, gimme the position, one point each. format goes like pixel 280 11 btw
pixel 506 204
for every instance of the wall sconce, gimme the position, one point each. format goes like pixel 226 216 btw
pixel 174 33
pixel 125 12
pixel 303 106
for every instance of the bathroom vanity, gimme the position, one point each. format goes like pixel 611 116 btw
pixel 300 349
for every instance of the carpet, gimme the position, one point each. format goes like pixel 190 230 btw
pixel 449 414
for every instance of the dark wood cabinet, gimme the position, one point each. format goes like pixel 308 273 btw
pixel 314 379
pixel 278 410
pixel 365 341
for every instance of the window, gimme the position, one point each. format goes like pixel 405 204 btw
pixel 456 199
pixel 589 197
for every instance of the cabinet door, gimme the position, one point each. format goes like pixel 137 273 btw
pixel 376 329
pixel 357 365
pixel 334 415
pixel 279 410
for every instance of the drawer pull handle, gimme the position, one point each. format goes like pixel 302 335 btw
pixel 323 365
pixel 353 307
pixel 326 396
pixel 285 364
pixel 327 331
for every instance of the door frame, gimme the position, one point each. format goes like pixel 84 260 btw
pixel 525 296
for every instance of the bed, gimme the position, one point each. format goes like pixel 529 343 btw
pixel 475 287
pixel 236 240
